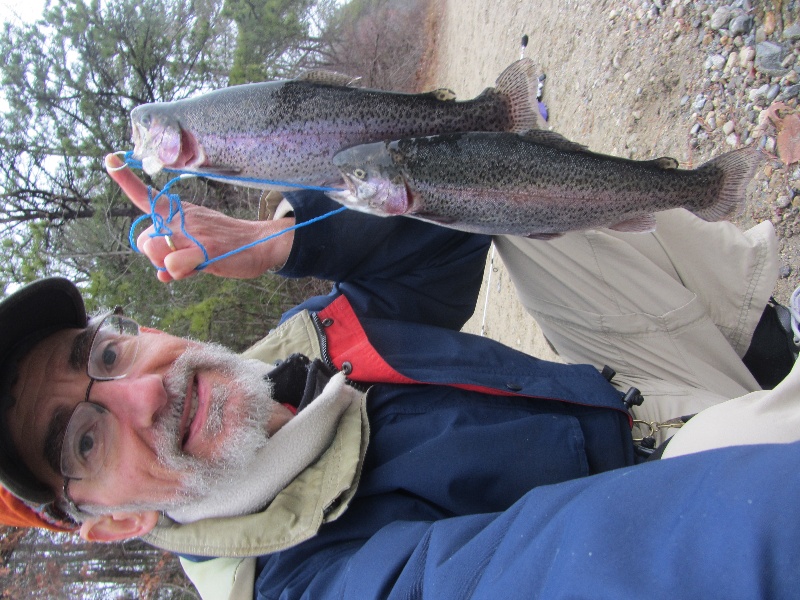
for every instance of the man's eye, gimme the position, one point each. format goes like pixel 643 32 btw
pixel 85 444
pixel 108 356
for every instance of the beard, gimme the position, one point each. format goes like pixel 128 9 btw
pixel 243 431
pixel 246 430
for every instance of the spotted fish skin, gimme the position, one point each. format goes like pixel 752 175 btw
pixel 536 184
pixel 290 130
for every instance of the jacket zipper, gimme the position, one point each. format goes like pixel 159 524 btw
pixel 323 342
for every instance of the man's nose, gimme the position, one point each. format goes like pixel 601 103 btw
pixel 134 400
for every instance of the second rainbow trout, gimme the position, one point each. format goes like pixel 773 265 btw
pixel 536 184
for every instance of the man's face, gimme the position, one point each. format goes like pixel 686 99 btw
pixel 187 417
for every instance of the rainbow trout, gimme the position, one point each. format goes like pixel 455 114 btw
pixel 537 184
pixel 289 130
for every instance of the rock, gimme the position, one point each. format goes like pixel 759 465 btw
pixel 746 55
pixel 785 271
pixel 773 92
pixel 695 129
pixel 792 32
pixel 758 93
pixel 732 140
pixel 768 59
pixel 783 201
pixel 720 18
pixel 790 92
pixel 741 25
pixel 791 78
pixel 728 128
pixel 769 23
pixel 733 60
pixel 699 102
pixel 715 62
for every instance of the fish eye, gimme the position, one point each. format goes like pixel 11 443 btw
pixel 145 120
pixel 360 173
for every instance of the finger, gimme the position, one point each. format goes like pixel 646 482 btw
pixel 154 248
pixel 183 263
pixel 134 188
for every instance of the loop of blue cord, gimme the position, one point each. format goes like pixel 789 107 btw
pixel 161 227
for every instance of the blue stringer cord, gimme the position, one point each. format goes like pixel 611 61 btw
pixel 136 164
pixel 162 228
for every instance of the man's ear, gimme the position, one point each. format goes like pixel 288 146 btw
pixel 119 526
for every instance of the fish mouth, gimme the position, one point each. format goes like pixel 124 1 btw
pixel 166 146
pixel 349 196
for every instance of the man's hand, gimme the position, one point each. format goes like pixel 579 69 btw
pixel 217 232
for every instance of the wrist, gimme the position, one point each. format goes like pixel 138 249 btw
pixel 276 251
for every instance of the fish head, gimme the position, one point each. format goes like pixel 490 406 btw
pixel 159 141
pixel 375 183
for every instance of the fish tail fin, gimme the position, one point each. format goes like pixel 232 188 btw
pixel 738 168
pixel 519 85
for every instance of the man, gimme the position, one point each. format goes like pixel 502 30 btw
pixel 449 466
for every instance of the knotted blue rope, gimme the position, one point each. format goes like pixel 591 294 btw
pixel 161 226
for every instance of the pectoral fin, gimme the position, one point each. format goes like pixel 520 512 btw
pixel 641 224
pixel 543 236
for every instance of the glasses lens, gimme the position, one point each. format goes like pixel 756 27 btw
pixel 85 446
pixel 114 348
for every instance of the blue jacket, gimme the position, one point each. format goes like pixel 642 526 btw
pixel 477 483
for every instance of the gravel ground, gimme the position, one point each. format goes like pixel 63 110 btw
pixel 641 79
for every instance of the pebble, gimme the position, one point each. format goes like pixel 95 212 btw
pixel 769 23
pixel 746 55
pixel 792 32
pixel 759 93
pixel 728 128
pixel 733 60
pixel 769 56
pixel 783 201
pixel 699 102
pixel 720 18
pixel 773 92
pixel 715 62
pixel 741 25
pixel 785 271
pixel 790 92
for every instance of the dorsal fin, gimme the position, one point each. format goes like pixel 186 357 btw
pixel 665 162
pixel 324 77
pixel 553 139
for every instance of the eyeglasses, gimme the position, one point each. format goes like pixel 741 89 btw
pixel 87 438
